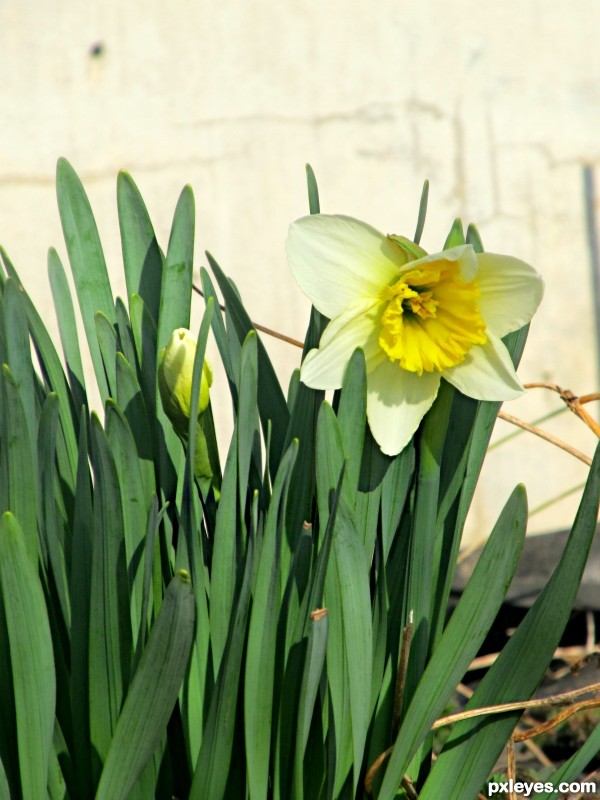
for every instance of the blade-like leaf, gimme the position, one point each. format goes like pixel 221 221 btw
pixel 271 401
pixel 18 484
pixel 67 327
pixel 153 692
pixel 262 637
pixel 214 760
pixel 86 259
pixel 31 658
pixel 110 625
pixel 470 752
pixel 142 258
pixel 176 293
pixel 468 626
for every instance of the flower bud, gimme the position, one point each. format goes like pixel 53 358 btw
pixel 175 373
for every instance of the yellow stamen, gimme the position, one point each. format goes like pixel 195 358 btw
pixel 431 319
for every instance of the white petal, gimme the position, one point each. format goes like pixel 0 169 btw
pixel 397 401
pixel 511 291
pixel 487 373
pixel 463 253
pixel 358 326
pixel 337 260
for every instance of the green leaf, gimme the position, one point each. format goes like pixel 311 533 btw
pixel 110 624
pixel 4 787
pixel 134 503
pixel 271 400
pixel 347 596
pixel 311 587
pixel 225 554
pixel 107 340
pixel 18 484
pixel 131 400
pixel 176 293
pixel 153 692
pixel 214 760
pixel 262 637
pixel 125 341
pixel 352 419
pixel 574 767
pixel 313 191
pixel 142 258
pixel 311 680
pixel 352 572
pixel 67 327
pixel 247 417
pixel 422 212
pixel 53 374
pixel 471 750
pixel 464 634
pixel 31 658
pixel 80 583
pixel 50 527
pixel 220 334
pixel 192 551
pixel 421 577
pixel 87 260
pixel 18 351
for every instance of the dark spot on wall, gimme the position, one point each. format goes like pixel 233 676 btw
pixel 97 50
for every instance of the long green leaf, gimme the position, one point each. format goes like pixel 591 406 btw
pixel 473 746
pixel 468 626
pixel 31 658
pixel 214 760
pixel 153 692
pixel 57 549
pixel 18 484
pixel 134 503
pixel 67 327
pixel 191 551
pixel 19 358
pixel 271 401
pixel 79 593
pixel 347 596
pixel 262 637
pixel 110 625
pixel 142 258
pixel 86 258
pixel 311 680
pixel 53 374
pixel 176 293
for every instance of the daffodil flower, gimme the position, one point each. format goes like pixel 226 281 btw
pixel 175 374
pixel 417 318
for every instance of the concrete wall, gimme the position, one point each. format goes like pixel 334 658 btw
pixel 497 104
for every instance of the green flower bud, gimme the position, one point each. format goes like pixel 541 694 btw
pixel 175 373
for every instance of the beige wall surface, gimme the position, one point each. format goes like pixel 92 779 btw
pixel 497 104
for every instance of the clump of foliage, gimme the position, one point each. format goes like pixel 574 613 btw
pixel 269 627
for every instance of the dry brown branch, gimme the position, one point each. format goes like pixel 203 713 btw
pixel 572 401
pixel 503 708
pixel 543 727
pixel 269 331
pixel 547 436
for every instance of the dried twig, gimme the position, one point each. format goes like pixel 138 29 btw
pixel 572 401
pixel 503 708
pixel 269 331
pixel 544 435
